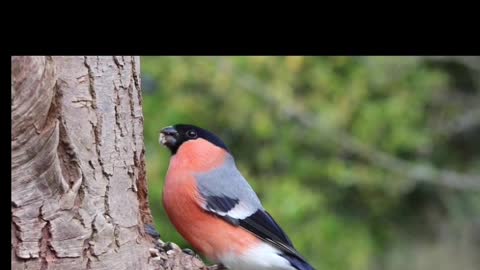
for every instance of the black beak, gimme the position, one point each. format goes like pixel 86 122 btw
pixel 170 131
pixel 169 137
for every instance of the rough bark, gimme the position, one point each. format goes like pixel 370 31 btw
pixel 79 193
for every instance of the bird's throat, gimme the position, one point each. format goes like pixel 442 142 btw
pixel 199 156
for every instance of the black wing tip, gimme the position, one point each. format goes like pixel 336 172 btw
pixel 263 224
pixel 297 262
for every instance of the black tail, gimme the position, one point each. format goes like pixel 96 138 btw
pixel 298 263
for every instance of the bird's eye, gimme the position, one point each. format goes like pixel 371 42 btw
pixel 192 134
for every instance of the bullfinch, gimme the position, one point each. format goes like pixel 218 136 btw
pixel 214 208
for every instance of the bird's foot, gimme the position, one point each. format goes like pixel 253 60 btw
pixel 217 267
pixel 159 244
pixel 170 246
pixel 189 252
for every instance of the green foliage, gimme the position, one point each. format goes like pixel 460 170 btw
pixel 341 209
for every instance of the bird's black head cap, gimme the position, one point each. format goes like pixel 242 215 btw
pixel 174 136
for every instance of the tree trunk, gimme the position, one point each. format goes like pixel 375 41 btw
pixel 79 193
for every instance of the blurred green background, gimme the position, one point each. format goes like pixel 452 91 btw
pixel 366 162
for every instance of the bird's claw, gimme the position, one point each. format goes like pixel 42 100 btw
pixel 170 246
pixel 217 267
pixel 159 245
pixel 189 252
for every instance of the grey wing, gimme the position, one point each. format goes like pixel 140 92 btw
pixel 227 194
